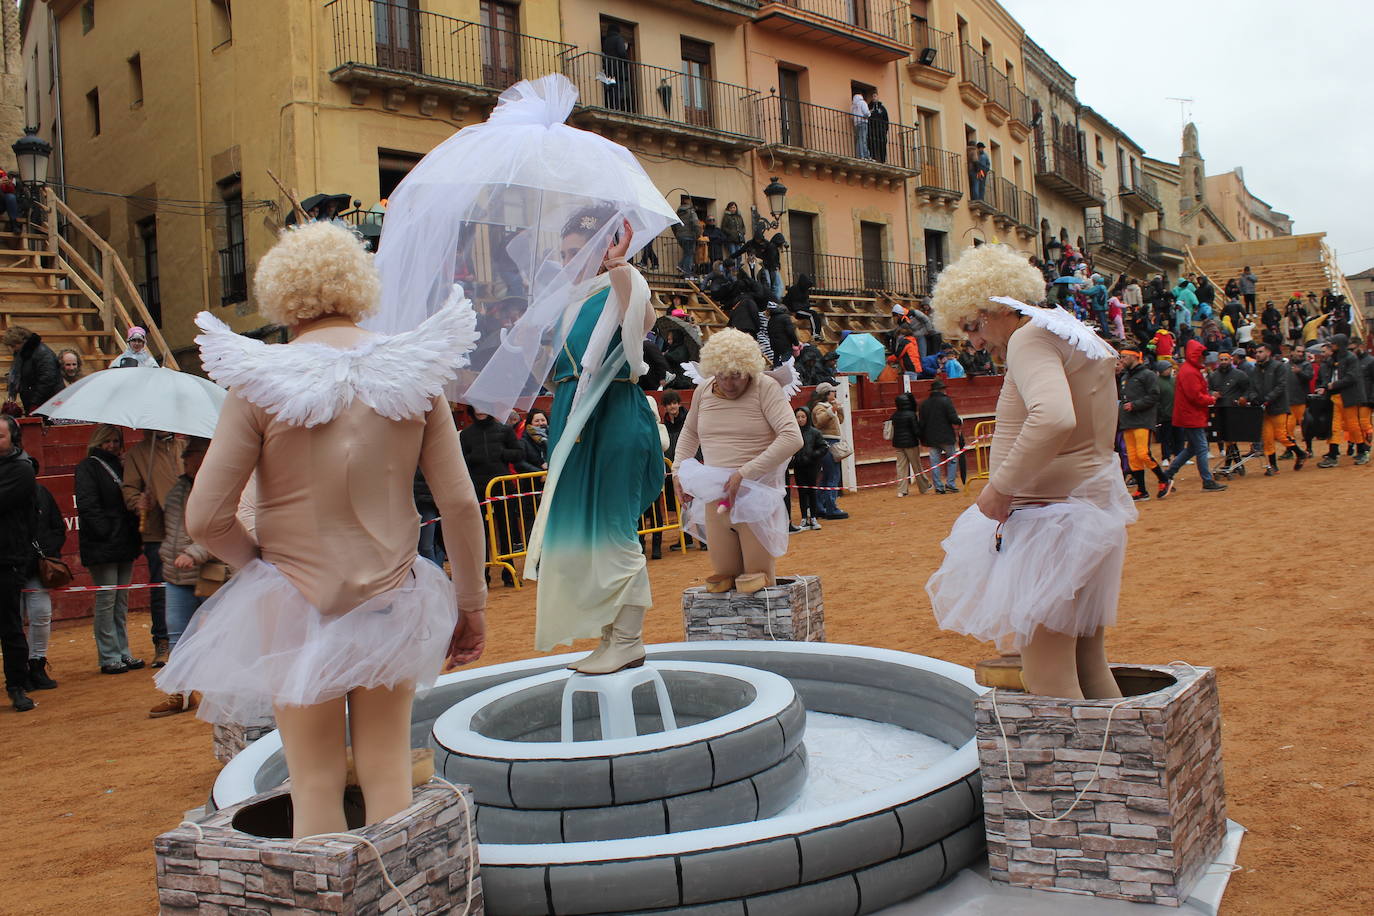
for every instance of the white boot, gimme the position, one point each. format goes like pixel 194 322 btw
pixel 626 649
pixel 598 651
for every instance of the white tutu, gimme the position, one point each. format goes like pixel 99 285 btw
pixel 1059 566
pixel 258 643
pixel 758 504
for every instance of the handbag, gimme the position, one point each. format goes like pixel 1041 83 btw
pixel 840 450
pixel 887 430
pixel 52 572
pixel 212 577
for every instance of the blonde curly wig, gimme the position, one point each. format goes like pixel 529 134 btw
pixel 317 269
pixel 964 287
pixel 731 352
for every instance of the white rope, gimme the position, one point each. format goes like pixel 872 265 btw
pixel 1097 767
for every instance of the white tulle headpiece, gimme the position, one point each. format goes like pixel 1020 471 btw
pixel 490 207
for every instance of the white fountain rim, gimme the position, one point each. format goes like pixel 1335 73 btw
pixel 773 693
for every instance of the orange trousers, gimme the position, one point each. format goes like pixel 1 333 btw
pixel 1366 422
pixel 1295 421
pixel 1277 430
pixel 1345 421
pixel 1138 449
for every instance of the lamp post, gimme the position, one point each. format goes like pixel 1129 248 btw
pixel 776 192
pixel 32 152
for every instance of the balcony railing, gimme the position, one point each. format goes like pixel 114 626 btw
pixel 1113 233
pixel 1143 187
pixel 923 37
pixel 671 97
pixel 1020 106
pixel 940 170
pixel 1061 168
pixel 1030 211
pixel 233 272
pixel 393 38
pixel 882 17
pixel 973 67
pixel 1008 199
pixel 842 274
pixel 998 88
pixel 801 125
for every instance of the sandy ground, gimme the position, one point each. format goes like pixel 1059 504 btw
pixel 1267 582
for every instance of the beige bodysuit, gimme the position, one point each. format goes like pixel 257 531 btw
pixel 754 433
pixel 1055 429
pixel 335 511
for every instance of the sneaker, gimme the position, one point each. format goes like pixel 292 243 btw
pixel 836 516
pixel 940 490
pixel 1328 461
pixel 38 676
pixel 175 703
pixel 951 489
pixel 120 668
pixel 1213 485
pixel 161 649
pixel 1362 458
pixel 133 664
pixel 1289 453
pixel 1166 486
pixel 21 700
pixel 1299 461
pixel 900 495
pixel 1271 472
pixel 813 524
pixel 793 529
pixel 1138 495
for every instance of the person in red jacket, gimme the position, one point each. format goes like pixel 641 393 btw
pixel 1191 401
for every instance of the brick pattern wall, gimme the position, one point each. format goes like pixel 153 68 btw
pixel 231 738
pixel 1153 821
pixel 221 870
pixel 792 610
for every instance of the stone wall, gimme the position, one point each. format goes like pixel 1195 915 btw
pixel 11 83
pixel 793 610
pixel 1152 821
pixel 427 849
pixel 231 738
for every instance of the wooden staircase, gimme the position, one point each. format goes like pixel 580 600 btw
pixel 49 288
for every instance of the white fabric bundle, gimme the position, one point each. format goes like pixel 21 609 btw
pixel 759 503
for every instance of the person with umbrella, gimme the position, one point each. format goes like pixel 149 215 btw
pixel 1035 564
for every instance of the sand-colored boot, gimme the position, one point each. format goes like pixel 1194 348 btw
pixel 719 583
pixel 599 651
pixel 749 583
pixel 627 645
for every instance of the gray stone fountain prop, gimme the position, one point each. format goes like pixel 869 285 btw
pixel 702 818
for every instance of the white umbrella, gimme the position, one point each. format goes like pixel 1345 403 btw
pixel 141 398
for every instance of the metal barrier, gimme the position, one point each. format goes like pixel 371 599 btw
pixel 511 502
pixel 982 449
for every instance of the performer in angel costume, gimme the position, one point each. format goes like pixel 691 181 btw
pixel 545 217
pixel 1035 564
pixel 743 422
pixel 331 618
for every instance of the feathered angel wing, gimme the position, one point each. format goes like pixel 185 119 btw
pixel 1061 324
pixel 693 372
pixel 308 384
pixel 785 374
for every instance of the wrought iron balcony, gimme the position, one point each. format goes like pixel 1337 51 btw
pixel 1140 190
pixel 1060 168
pixel 941 175
pixel 873 29
pixel 233 272
pixel 843 274
pixel 829 137
pixel 1030 211
pixel 627 93
pixel 973 75
pixel 998 104
pixel 934 55
pixel 1113 234
pixel 1020 114
pixel 400 50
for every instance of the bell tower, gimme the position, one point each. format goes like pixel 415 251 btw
pixel 1191 171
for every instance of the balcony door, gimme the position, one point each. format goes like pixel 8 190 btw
pixel 397 28
pixel 696 87
pixel 790 107
pixel 871 241
pixel 500 44
pixel 801 231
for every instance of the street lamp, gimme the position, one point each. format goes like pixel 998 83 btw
pixel 776 192
pixel 32 152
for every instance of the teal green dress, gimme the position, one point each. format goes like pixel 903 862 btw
pixel 589 563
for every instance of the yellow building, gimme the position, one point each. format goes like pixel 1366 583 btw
pixel 1248 217
pixel 964 85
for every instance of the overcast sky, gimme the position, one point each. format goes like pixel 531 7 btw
pixel 1281 89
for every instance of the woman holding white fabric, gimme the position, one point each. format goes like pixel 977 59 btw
pixel 743 423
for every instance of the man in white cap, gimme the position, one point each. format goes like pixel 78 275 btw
pixel 137 350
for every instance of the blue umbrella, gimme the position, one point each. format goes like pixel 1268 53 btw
pixel 1074 280
pixel 861 353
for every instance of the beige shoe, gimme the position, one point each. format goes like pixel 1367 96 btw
pixel 599 650
pixel 627 645
pixel 749 583
pixel 175 703
pixel 719 583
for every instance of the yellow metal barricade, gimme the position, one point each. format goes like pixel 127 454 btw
pixel 982 448
pixel 511 502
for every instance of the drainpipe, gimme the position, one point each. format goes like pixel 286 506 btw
pixel 201 186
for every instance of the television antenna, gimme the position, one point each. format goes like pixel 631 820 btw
pixel 1185 109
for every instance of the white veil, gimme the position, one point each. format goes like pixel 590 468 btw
pixel 488 209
